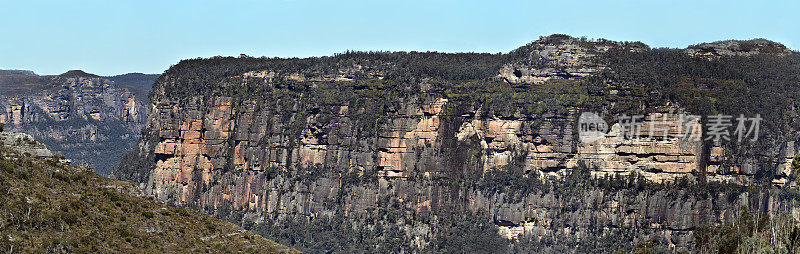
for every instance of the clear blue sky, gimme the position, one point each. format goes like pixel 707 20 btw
pixel 116 36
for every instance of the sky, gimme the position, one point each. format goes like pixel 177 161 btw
pixel 120 36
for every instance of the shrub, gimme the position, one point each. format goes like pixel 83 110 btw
pixel 148 214
pixel 182 212
pixel 6 165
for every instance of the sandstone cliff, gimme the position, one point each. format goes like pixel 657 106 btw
pixel 401 148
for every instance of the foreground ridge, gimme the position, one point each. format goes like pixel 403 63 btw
pixel 51 206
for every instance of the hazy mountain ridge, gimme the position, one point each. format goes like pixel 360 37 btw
pixel 88 118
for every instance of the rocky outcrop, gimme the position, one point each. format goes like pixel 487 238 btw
pixel 558 57
pixel 738 48
pixel 24 144
pixel 85 117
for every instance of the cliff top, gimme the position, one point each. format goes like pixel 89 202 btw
pixel 548 54
pixel 77 74
pixel 18 72
pixel 739 48
pixel 24 82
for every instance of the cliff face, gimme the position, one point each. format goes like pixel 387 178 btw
pixel 79 115
pixel 403 159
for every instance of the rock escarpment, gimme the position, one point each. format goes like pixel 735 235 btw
pixel 24 144
pixel 396 151
pixel 87 118
pixel 738 48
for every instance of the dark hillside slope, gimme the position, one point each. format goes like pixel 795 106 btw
pixel 49 206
